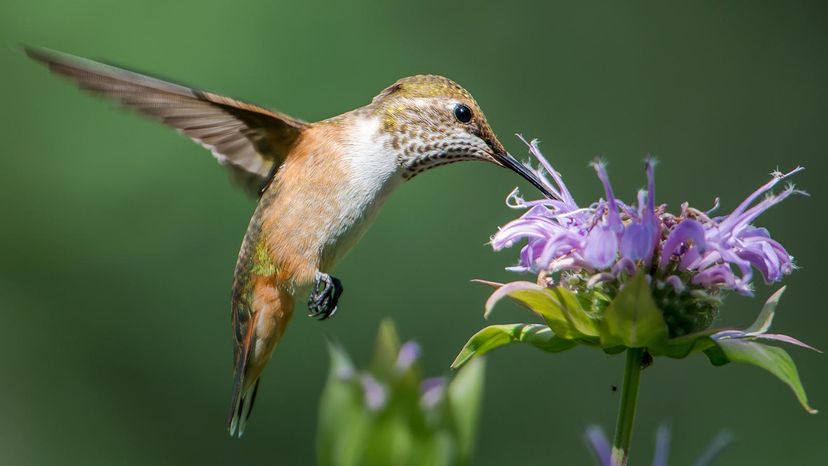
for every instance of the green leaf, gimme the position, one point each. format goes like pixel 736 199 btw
pixel 774 360
pixel 465 395
pixel 342 419
pixel 494 336
pixel 683 346
pixel 574 311
pixel 558 307
pixel 716 356
pixel 765 319
pixel 632 318
pixel 612 350
pixel 385 350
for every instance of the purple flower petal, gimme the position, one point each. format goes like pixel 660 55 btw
pixel 601 247
pixel 432 392
pixel 687 232
pixel 662 448
pixel 738 212
pixel 637 242
pixel 409 352
pixel 610 236
pixel 716 447
pixel 374 393
pixel 613 220
pixel 786 339
pixel 716 275
pixel 600 445
pixel 565 196
pixel 676 283
pixel 624 264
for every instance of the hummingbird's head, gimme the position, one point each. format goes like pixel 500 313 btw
pixel 432 121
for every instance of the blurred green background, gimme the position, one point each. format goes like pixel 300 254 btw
pixel 119 237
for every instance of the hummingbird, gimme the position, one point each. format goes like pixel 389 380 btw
pixel 318 185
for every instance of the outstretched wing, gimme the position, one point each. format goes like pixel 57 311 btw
pixel 251 141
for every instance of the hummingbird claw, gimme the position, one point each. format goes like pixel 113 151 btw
pixel 323 299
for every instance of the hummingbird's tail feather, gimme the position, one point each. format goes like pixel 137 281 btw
pixel 241 407
pixel 260 315
pixel 241 403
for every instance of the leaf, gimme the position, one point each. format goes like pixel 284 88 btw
pixel 465 395
pixel 494 336
pixel 612 350
pixel 683 346
pixel 386 349
pixel 716 356
pixel 558 307
pixel 342 419
pixel 632 318
pixel 765 319
pixel 574 311
pixel 774 360
pixel 759 328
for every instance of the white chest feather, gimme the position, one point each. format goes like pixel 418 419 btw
pixel 373 172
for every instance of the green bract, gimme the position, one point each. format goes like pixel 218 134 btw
pixel 630 320
pixel 388 414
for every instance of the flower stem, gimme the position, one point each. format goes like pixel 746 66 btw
pixel 626 411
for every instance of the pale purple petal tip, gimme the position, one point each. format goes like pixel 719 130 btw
pixel 613 220
pixel 723 440
pixel 432 392
pixel 373 391
pixel 786 339
pixel 600 445
pixel 409 352
pixel 662 448
pixel 676 283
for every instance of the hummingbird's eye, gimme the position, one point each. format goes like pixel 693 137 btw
pixel 463 113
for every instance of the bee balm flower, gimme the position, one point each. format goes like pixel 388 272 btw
pixel 690 257
pixel 636 277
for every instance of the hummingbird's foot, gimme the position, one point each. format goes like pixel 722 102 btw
pixel 323 298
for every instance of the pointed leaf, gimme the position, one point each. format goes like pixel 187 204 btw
pixel 765 319
pixel 574 311
pixel 683 346
pixel 758 330
pixel 786 339
pixel 774 360
pixel 632 318
pixel 386 349
pixel 716 356
pixel 342 419
pixel 495 336
pixel 465 395
pixel 558 307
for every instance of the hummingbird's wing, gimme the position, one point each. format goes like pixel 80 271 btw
pixel 250 140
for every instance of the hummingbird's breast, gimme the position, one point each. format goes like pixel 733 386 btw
pixel 373 172
pixel 327 194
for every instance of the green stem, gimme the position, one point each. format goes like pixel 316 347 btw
pixel 626 411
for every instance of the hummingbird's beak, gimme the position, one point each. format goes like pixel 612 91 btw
pixel 506 160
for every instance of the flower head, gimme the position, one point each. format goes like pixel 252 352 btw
pixel 360 406
pixel 690 257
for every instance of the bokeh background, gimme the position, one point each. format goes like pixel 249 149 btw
pixel 119 237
